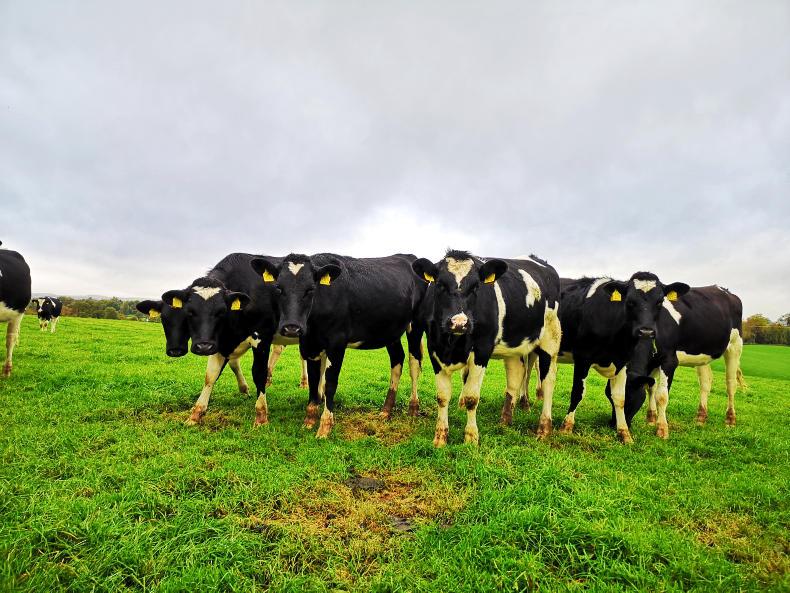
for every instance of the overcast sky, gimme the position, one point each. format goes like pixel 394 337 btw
pixel 140 142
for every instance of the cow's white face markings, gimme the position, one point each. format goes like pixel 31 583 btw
pixel 644 285
pixel 595 285
pixel 206 292
pixel 459 268
pixel 294 268
pixel 667 304
pixel 533 290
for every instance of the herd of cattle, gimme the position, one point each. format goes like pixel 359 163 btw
pixel 635 333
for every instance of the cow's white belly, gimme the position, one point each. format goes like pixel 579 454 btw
pixel 7 314
pixel 693 360
pixel 608 372
pixel 502 350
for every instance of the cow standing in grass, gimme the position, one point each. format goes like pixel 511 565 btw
pixel 14 298
pixel 694 329
pixel 48 310
pixel 480 309
pixel 602 321
pixel 330 303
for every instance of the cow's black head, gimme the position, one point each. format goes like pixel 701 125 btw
pixel 44 307
pixel 456 279
pixel 642 297
pixel 174 323
pixel 208 307
pixel 296 281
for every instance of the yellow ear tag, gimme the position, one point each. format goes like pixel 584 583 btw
pixel 672 296
pixel 176 304
pixel 267 277
pixel 325 280
pixel 153 313
pixel 616 297
pixel 428 277
pixel 490 279
pixel 235 305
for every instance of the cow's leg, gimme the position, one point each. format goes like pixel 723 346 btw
pixel 240 380
pixel 652 414
pixel 617 385
pixel 732 367
pixel 578 390
pixel 54 324
pixel 260 376
pixel 529 362
pixel 665 374
pixel 395 351
pixel 414 341
pixel 315 376
pixel 303 381
pixel 11 340
pixel 334 362
pixel 547 366
pixel 444 391
pixel 214 366
pixel 470 398
pixel 705 377
pixel 42 324
pixel 277 351
pixel 514 374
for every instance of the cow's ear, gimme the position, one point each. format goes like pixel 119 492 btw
pixel 267 269
pixel 425 269
pixel 492 270
pixel 675 290
pixel 325 274
pixel 175 298
pixel 151 308
pixel 615 290
pixel 236 301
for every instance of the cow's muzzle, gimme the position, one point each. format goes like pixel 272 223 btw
pixel 176 352
pixel 204 348
pixel 290 330
pixel 646 332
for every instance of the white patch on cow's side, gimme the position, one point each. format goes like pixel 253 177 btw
pixel 206 292
pixel 501 310
pixel 533 290
pixel 294 268
pixel 354 345
pixel 693 360
pixel 459 268
pixel 448 368
pixel 608 372
pixel 644 285
pixel 7 314
pixel 595 285
pixel 529 258
pixel 667 304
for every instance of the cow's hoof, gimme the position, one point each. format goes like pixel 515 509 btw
pixel 268 382
pixel 259 423
pixel 539 394
pixel 730 420
pixel 662 430
pixel 625 436
pixel 567 427
pixel 261 418
pixel 651 417
pixel 244 390
pixel 544 428
pixel 385 415
pixel 311 416
pixel 325 428
pixel 414 408
pixel 524 404
pixel 196 416
pixel 6 370
pixel 702 416
pixel 472 437
pixel 440 437
pixel 389 404
pixel 303 384
pixel 506 417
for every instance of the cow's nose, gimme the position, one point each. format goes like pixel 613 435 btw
pixel 176 352
pixel 291 330
pixel 647 332
pixel 203 348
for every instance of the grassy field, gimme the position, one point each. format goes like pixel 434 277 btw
pixel 102 487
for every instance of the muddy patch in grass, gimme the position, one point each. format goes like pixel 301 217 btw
pixel 358 424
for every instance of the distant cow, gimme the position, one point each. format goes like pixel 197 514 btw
pixel 602 322
pixel 14 298
pixel 331 302
pixel 478 309
pixel 48 309
pixel 694 329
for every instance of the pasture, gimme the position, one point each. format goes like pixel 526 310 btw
pixel 102 487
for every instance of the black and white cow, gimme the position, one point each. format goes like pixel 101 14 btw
pixel 602 321
pixel 49 310
pixel 478 309
pixel 694 329
pixel 14 298
pixel 330 303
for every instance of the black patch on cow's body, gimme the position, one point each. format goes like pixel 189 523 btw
pixel 14 280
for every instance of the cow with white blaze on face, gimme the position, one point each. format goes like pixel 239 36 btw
pixel 602 321
pixel 477 309
pixel 693 329
pixel 331 302
pixel 14 297
pixel 49 310
pixel 226 313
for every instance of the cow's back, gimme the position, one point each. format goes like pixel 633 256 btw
pixel 14 280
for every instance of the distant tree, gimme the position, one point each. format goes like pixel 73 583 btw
pixel 110 313
pixel 784 320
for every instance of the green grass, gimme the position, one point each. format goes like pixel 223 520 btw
pixel 102 488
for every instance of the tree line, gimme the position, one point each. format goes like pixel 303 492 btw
pixel 113 308
pixel 758 329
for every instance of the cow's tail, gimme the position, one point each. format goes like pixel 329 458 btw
pixel 741 381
